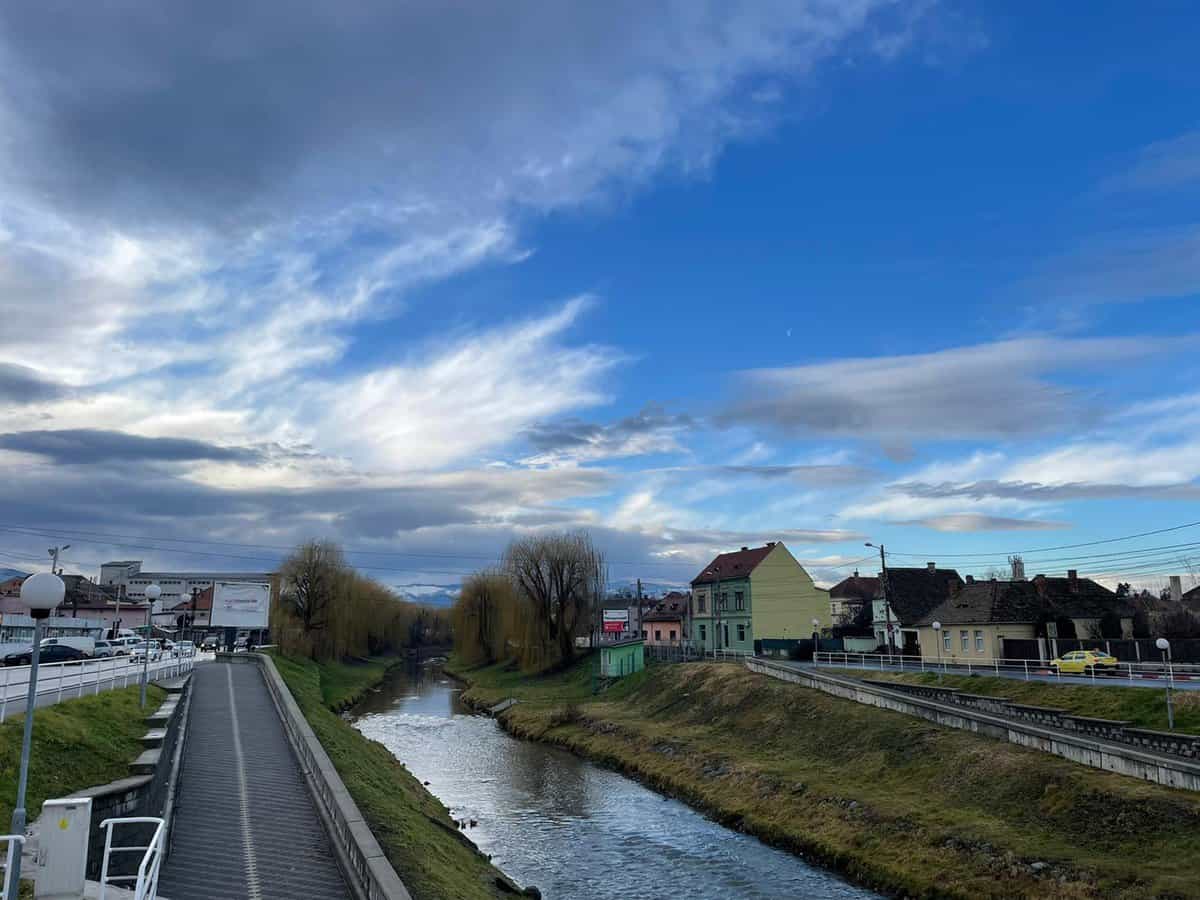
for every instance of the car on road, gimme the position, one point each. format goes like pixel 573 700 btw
pixel 55 653
pixel 212 642
pixel 103 650
pixel 185 648
pixel 139 650
pixel 84 645
pixel 123 645
pixel 1083 662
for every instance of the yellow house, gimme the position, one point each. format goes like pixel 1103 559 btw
pixel 757 599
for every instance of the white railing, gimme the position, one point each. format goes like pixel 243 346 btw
pixel 723 653
pixel 15 844
pixel 91 676
pixel 146 880
pixel 1025 668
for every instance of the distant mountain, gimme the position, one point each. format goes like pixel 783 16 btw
pixel 429 594
pixel 649 588
pixel 6 574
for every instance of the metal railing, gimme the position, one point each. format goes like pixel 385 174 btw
pixel 1025 668
pixel 146 880
pixel 77 678
pixel 15 844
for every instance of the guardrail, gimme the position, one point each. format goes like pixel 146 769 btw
pixel 15 843
pixel 1026 668
pixel 74 679
pixel 145 882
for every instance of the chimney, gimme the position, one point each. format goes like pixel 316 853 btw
pixel 1176 589
pixel 1073 580
pixel 970 579
pixel 932 567
pixel 770 543
pixel 745 548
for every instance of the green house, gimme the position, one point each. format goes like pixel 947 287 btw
pixel 755 600
pixel 622 658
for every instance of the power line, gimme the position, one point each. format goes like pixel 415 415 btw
pixel 1127 537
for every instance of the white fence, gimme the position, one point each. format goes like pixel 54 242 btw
pixel 145 882
pixel 76 679
pixel 1026 668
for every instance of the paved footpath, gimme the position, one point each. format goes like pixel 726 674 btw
pixel 245 826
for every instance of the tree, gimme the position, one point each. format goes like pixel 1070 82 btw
pixel 560 582
pixel 311 580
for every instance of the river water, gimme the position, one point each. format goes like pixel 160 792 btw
pixel 574 829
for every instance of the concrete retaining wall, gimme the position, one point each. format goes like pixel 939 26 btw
pixel 1172 771
pixel 362 860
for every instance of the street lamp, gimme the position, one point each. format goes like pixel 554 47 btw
pixel 153 592
pixel 41 593
pixel 937 639
pixel 887 601
pixel 1165 646
pixel 816 624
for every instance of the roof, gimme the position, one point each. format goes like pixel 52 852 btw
pixel 1026 602
pixel 203 601
pixel 856 587
pixel 738 564
pixel 1192 596
pixel 912 593
pixel 672 608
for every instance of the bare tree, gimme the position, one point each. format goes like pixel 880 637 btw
pixel 561 578
pixel 311 580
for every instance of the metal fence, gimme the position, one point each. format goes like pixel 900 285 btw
pixel 76 679
pixel 1027 668
pixel 677 653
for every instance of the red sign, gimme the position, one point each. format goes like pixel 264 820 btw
pixel 618 627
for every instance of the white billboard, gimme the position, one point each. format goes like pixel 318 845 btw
pixel 240 604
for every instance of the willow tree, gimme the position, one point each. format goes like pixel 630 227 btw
pixel 560 582
pixel 483 617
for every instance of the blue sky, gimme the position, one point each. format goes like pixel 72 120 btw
pixel 689 276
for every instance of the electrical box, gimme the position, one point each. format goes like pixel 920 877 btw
pixel 62 848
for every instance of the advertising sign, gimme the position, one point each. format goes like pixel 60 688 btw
pixel 616 620
pixel 240 604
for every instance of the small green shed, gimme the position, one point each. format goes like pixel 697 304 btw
pixel 622 658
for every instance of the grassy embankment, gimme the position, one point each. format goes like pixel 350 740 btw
pixel 416 832
pixel 1143 706
pixel 77 744
pixel 893 801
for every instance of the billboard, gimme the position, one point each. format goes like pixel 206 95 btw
pixel 616 620
pixel 240 604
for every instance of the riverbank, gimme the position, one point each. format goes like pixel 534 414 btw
pixel 433 858
pixel 895 803
pixel 77 744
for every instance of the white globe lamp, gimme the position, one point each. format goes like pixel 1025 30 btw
pixel 42 593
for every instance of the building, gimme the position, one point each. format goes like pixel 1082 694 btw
pixel 755 600
pixel 980 616
pixel 622 658
pixel 85 598
pixel 850 596
pixel 666 623
pixel 905 597
pixel 194 612
pixel 177 587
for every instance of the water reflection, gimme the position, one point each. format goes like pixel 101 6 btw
pixel 575 830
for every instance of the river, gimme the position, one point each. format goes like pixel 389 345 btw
pixel 576 830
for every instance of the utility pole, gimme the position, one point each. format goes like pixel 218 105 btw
pixel 887 601
pixel 717 607
pixel 54 551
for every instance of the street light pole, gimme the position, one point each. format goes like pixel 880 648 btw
pixel 1165 646
pixel 937 637
pixel 816 624
pixel 717 608
pixel 153 592
pixel 41 592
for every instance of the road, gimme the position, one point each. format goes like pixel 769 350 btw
pixel 1036 672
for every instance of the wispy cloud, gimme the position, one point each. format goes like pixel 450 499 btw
pixel 970 522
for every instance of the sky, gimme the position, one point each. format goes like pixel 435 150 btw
pixel 424 278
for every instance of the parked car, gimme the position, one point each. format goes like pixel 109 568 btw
pixel 55 653
pixel 84 645
pixel 103 650
pixel 185 648
pixel 141 648
pixel 1083 662
pixel 122 646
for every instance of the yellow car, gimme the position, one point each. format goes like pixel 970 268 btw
pixel 1083 662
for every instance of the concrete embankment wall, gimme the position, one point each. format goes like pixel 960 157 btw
pixel 1124 760
pixel 362 860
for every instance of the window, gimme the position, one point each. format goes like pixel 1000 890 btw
pixel 978 641
pixel 724 600
pixel 703 633
pixel 643 634
pixel 739 600
pixel 657 634
pixel 672 634
pixel 965 638
pixel 741 633
pixel 726 627
pixel 946 641
pixel 699 602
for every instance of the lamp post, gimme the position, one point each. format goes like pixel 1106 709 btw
pixel 41 593
pixel 717 609
pixel 153 592
pixel 937 637
pixel 1165 646
pixel 816 624
pixel 887 601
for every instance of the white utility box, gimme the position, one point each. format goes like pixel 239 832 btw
pixel 62 849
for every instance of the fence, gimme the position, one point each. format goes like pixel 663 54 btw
pixel 75 679
pixel 1026 668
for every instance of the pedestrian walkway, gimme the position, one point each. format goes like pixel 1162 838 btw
pixel 245 826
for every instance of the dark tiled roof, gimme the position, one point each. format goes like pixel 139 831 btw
pixel 1027 602
pixel 856 587
pixel 1080 597
pixel 1192 597
pixel 672 608
pixel 914 592
pixel 738 564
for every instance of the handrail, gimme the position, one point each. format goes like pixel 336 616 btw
pixel 146 879
pixel 13 841
pixel 1130 671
